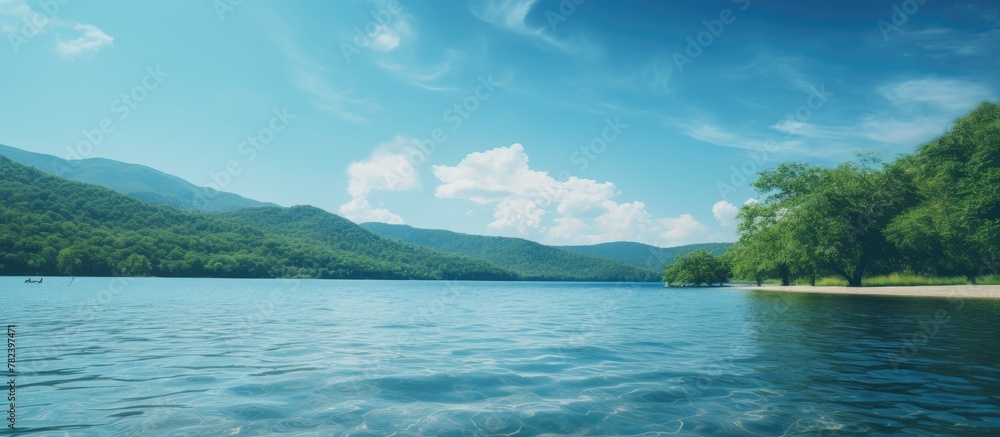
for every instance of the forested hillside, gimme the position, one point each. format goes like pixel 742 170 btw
pixel 50 225
pixel 330 230
pixel 135 180
pixel 529 259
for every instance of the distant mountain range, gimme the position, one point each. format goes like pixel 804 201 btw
pixel 371 250
pixel 529 259
pixel 644 255
pixel 135 180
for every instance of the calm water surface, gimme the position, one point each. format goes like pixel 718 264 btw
pixel 253 357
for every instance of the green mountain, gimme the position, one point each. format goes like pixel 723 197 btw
pixel 50 225
pixel 135 180
pixel 531 260
pixel 644 255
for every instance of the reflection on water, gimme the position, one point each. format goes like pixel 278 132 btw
pixel 881 364
pixel 253 357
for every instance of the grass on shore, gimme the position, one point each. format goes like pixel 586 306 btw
pixel 989 280
pixel 906 280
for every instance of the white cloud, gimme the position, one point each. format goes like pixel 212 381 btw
pixel 491 176
pixel 388 169
pixel 517 213
pixel 582 211
pixel 90 41
pixel 359 210
pixel 683 230
pixel 725 213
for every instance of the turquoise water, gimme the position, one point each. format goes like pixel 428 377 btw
pixel 251 357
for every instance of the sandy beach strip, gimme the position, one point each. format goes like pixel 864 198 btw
pixel 952 291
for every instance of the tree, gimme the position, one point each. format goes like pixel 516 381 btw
pixel 833 219
pixel 698 267
pixel 955 228
pixel 135 265
pixel 68 262
pixel 766 247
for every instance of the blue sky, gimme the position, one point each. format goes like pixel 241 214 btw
pixel 565 122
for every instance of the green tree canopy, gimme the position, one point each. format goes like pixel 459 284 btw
pixel 696 268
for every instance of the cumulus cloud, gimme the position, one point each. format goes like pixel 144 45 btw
pixel 725 213
pixel 581 210
pixel 359 210
pixel 683 230
pixel 387 169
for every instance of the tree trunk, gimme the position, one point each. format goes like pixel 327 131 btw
pixel 859 271
pixel 785 273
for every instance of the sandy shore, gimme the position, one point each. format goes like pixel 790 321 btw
pixel 953 291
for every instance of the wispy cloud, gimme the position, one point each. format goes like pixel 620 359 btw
pixel 511 15
pixel 428 79
pixel 90 41
pixel 712 133
pixel 944 94
pixel 790 70
pixel 21 23
pixel 937 41
pixel 341 103
pixel 905 114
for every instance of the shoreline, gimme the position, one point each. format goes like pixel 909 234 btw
pixel 947 291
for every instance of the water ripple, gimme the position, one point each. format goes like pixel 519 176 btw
pixel 246 357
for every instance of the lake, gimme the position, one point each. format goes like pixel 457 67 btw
pixel 104 356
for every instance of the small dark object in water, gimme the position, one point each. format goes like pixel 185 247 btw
pixel 30 281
